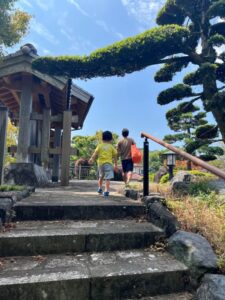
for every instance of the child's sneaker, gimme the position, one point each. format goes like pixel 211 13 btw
pixel 106 194
pixel 99 191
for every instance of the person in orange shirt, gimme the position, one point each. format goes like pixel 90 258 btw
pixel 124 151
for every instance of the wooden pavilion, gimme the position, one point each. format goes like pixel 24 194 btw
pixel 40 106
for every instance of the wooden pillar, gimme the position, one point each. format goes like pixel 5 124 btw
pixel 45 137
pixel 33 138
pixel 66 141
pixel 39 133
pixel 56 157
pixel 3 132
pixel 24 119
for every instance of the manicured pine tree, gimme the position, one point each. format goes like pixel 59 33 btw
pixel 184 27
pixel 185 119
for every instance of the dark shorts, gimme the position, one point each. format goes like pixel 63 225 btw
pixel 127 165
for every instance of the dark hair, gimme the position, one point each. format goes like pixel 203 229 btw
pixel 107 136
pixel 125 132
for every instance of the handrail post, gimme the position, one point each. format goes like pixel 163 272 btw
pixel 146 168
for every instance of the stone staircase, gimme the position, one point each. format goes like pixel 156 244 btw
pixel 77 246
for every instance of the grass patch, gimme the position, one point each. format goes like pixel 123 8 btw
pixel 10 188
pixel 203 214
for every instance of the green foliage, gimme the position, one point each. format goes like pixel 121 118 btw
pixel 217 9
pixel 167 72
pixel 194 145
pixel 201 174
pixel 10 188
pixel 173 138
pixel 207 132
pixel 13 24
pixel 151 177
pixel 87 144
pixel 164 179
pixel 177 92
pixel 170 14
pixel 185 25
pixel 201 188
pixel 129 55
pixel 216 40
pixel 155 160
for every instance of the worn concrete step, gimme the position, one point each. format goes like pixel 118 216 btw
pixel 75 208
pixel 179 296
pixel 94 276
pixel 56 237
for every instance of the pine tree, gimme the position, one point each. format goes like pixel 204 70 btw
pixel 185 120
pixel 184 27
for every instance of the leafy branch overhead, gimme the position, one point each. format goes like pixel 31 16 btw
pixel 193 130
pixel 13 24
pixel 127 56
pixel 188 32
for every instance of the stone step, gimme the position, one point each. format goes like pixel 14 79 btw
pixel 94 276
pixel 57 237
pixel 89 208
pixel 179 296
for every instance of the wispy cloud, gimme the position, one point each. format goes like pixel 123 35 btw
pixel 26 2
pixel 103 24
pixel 45 5
pixel 120 35
pixel 43 32
pixel 78 7
pixel 144 11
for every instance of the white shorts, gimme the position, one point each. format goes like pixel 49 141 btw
pixel 106 171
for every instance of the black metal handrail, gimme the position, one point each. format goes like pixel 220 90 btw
pixel 196 160
pixel 145 167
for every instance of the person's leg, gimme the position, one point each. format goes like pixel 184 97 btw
pixel 107 185
pixel 129 168
pixel 109 174
pixel 129 176
pixel 100 179
pixel 100 182
pixel 124 173
pixel 124 177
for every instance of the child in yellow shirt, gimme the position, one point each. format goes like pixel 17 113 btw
pixel 106 154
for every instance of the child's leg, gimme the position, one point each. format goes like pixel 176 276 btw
pixel 107 185
pixel 100 182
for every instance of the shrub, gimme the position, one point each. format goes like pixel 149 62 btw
pixel 200 188
pixel 9 188
pixel 164 178
pixel 201 174
pixel 151 177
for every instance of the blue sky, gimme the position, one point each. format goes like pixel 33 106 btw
pixel 60 27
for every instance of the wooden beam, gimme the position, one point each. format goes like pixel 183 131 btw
pixel 46 124
pixel 56 118
pixel 24 120
pixel 66 140
pixel 54 151
pixel 3 131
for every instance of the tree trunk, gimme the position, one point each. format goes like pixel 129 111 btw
pixel 219 115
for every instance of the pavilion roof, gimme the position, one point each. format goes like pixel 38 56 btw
pixel 49 91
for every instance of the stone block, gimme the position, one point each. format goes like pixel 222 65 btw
pixel 27 174
pixel 212 287
pixel 159 215
pixel 193 250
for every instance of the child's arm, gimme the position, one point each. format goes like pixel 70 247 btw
pixel 115 160
pixel 93 157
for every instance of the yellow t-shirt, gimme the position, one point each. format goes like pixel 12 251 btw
pixel 105 152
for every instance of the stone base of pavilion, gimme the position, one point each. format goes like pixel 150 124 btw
pixel 28 174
